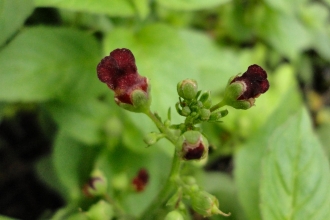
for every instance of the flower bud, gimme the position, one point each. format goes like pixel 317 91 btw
pixel 119 72
pixel 97 184
pixel 187 89
pixel 186 111
pixel 241 91
pixel 174 215
pixel 194 146
pixel 217 115
pixel 152 138
pixel 205 114
pixel 99 211
pixel 205 204
pixel 141 180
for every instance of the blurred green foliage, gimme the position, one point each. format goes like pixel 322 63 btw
pixel 280 169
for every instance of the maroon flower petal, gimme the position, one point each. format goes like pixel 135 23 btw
pixel 123 93
pixel 118 64
pixel 141 180
pixel 195 153
pixel 255 79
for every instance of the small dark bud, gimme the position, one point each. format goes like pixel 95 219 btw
pixel 194 146
pixel 141 180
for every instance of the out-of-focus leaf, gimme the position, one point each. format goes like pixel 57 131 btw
pixel 285 6
pixel 12 16
pixel 216 64
pixel 223 187
pixel 123 161
pixel 315 17
pixel 43 63
pixel 282 31
pixel 191 4
pixel 142 7
pixel 73 163
pixel 80 120
pixel 248 158
pixel 110 7
pixel 295 173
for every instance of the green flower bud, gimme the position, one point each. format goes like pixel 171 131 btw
pixel 152 138
pixel 139 101
pixel 194 146
pixel 174 215
pixel 205 114
pixel 205 96
pixel 205 204
pixel 186 111
pixel 97 184
pixel 100 211
pixel 215 116
pixel 187 89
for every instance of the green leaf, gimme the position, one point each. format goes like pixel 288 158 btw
pixel 110 7
pixel 44 63
pixel 248 158
pixel 80 120
pixel 12 16
pixel 285 32
pixel 191 4
pixel 284 5
pixel 73 163
pixel 295 173
pixel 206 55
pixel 142 7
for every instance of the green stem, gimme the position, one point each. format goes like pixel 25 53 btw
pixel 219 105
pixel 170 184
pixel 169 135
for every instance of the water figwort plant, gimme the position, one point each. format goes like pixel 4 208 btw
pixel 132 92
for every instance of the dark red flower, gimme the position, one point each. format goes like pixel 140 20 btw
pixel 255 80
pixel 141 180
pixel 119 72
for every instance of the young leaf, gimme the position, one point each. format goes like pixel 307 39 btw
pixel 295 173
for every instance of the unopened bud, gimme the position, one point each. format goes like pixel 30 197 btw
pixel 97 184
pixel 152 138
pixel 99 211
pixel 205 204
pixel 205 114
pixel 174 215
pixel 194 146
pixel 187 89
